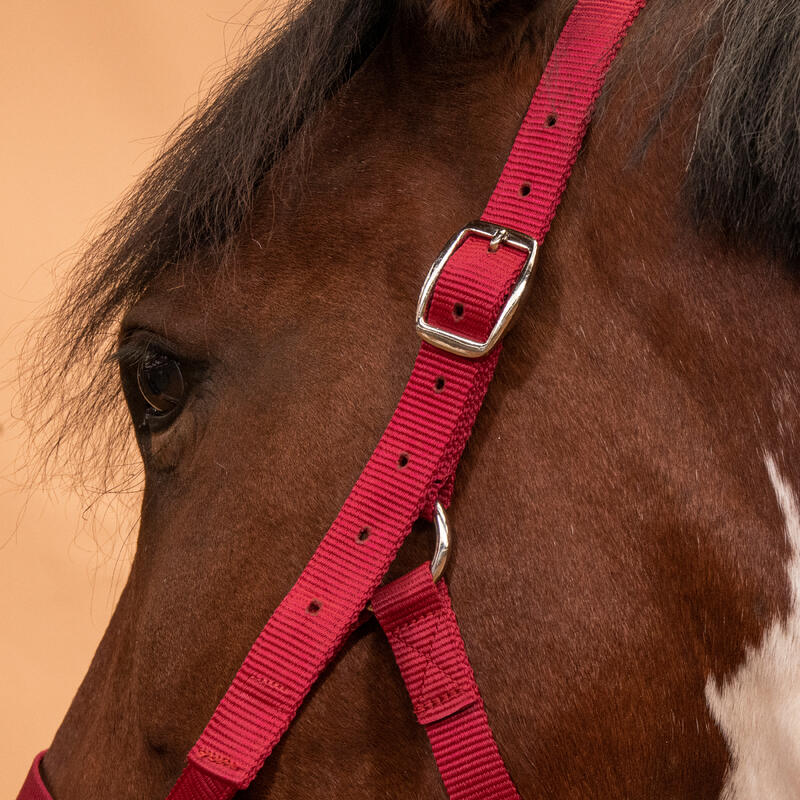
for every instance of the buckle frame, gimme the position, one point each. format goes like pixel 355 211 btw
pixel 497 235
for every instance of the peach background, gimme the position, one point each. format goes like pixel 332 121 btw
pixel 86 90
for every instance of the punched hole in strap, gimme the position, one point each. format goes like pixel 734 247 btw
pixel 314 607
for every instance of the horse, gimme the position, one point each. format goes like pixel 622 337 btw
pixel 626 567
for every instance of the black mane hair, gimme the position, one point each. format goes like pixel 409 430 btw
pixel 743 174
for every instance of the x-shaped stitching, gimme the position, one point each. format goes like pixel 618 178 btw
pixel 426 654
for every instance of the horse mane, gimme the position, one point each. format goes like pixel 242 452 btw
pixel 743 170
pixel 743 173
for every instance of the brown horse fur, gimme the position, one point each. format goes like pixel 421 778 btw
pixel 619 542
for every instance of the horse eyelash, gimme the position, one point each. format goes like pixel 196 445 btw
pixel 132 352
pixel 134 348
pixel 127 353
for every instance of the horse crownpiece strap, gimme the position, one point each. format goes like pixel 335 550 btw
pixel 413 465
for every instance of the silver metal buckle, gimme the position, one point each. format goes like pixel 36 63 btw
pixel 497 235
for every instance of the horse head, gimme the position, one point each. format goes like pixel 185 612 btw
pixel 626 510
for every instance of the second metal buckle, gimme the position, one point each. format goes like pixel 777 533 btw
pixel 497 235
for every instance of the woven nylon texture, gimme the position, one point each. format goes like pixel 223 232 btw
pixel 548 141
pixel 34 788
pixel 419 622
pixel 414 461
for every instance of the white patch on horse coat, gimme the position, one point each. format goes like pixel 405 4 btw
pixel 758 709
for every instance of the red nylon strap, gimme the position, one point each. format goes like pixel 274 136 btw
pixel 34 788
pixel 419 622
pixel 426 434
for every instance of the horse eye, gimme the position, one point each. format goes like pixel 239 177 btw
pixel 161 382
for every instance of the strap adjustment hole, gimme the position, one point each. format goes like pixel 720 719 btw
pixel 402 461
pixel 524 190
pixel 551 120
pixel 314 607
pixel 438 384
pixel 458 311
pixel 363 535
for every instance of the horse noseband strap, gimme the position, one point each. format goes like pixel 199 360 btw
pixel 413 464
pixel 422 629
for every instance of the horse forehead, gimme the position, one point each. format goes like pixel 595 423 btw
pixel 379 174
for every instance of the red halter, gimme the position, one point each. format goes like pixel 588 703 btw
pixel 467 301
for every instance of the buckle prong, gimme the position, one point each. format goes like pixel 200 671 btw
pixel 497 236
pixel 497 240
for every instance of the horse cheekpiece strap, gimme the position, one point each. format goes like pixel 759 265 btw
pixel 469 298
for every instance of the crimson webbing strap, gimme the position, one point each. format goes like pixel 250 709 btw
pixel 414 462
pixel 34 788
pixel 419 623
